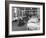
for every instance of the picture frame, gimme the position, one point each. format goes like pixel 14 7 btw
pixel 13 30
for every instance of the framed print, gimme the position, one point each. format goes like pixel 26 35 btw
pixel 24 18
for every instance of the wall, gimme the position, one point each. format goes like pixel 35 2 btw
pixel 2 19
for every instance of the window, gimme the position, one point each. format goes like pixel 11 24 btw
pixel 23 11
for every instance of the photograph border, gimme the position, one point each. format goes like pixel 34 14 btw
pixel 7 18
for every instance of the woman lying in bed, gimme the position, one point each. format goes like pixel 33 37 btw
pixel 33 23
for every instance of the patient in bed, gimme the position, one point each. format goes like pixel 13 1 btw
pixel 33 23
